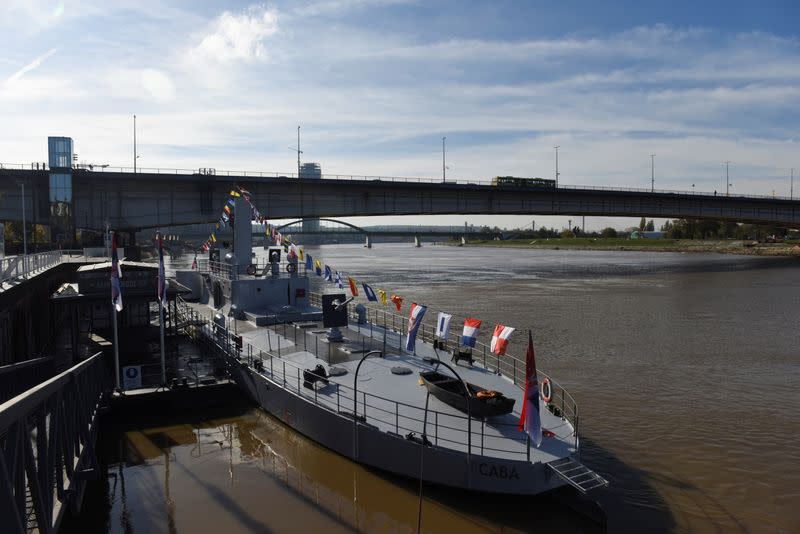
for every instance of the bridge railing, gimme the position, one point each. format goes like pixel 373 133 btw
pixel 47 440
pixel 22 266
pixel 509 365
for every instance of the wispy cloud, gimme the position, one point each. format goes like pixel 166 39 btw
pixel 30 66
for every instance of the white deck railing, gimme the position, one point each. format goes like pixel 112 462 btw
pixel 16 267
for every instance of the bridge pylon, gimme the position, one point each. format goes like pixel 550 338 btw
pixel 367 241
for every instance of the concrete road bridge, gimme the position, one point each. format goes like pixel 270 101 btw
pixel 156 198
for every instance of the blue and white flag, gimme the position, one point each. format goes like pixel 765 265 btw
pixel 443 325
pixel 369 293
pixel 116 274
pixel 309 262
pixel 414 320
pixel 328 274
pixel 339 281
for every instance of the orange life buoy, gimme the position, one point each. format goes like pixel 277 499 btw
pixel 251 269
pixel 548 396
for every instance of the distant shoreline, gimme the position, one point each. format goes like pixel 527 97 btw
pixel 747 248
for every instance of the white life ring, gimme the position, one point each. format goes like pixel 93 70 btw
pixel 547 390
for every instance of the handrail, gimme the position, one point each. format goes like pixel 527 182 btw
pixel 509 365
pixel 48 434
pixel 288 375
pixel 21 266
pixel 212 173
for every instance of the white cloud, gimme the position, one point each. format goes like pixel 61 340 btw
pixel 158 85
pixel 239 36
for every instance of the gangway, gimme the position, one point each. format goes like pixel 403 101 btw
pixel 47 447
pixel 577 475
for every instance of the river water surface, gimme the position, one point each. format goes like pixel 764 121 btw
pixel 685 369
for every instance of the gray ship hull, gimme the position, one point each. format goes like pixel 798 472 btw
pixel 391 452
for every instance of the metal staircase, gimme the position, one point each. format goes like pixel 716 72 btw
pixel 577 475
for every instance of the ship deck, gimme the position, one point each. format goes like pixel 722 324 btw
pixel 396 403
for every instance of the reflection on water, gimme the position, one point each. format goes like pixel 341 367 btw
pixel 250 473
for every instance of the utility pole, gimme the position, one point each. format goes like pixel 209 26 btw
pixel 298 151
pixel 652 173
pixel 134 144
pixel 557 147
pixel 791 186
pixel 443 165
pixel 727 179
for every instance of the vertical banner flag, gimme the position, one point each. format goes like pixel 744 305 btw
pixel 398 301
pixel 382 296
pixel 353 288
pixel 292 252
pixel 162 276
pixel 369 293
pixel 443 325
pixel 301 253
pixel 500 339
pixel 328 274
pixel 309 262
pixel 414 320
pixel 529 419
pixel 318 267
pixel 470 335
pixel 116 274
pixel 339 281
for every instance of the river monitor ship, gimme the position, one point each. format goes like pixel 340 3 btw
pixel 340 374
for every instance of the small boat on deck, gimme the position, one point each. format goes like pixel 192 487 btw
pixel 473 400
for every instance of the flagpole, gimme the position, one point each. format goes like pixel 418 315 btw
pixel 161 299
pixel 163 365
pixel 116 344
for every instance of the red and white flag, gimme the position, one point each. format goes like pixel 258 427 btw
pixel 500 339
pixel 530 420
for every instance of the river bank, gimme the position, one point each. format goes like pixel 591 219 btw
pixel 749 248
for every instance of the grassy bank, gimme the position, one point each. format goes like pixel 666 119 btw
pixel 652 245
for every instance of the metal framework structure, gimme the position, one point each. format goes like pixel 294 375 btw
pixel 47 447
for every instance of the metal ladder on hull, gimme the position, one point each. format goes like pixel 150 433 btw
pixel 577 475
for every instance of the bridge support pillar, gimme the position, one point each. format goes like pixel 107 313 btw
pixel 367 241
pixel 417 241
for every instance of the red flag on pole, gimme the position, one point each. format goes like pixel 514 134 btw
pixel 530 420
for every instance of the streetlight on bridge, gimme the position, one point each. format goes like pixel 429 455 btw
pixel 652 173
pixel 557 147
pixel 444 167
pixel 727 178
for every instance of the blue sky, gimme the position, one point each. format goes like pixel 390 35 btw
pixel 376 84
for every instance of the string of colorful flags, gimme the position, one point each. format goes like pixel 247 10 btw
pixel 529 422
pixel 500 335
